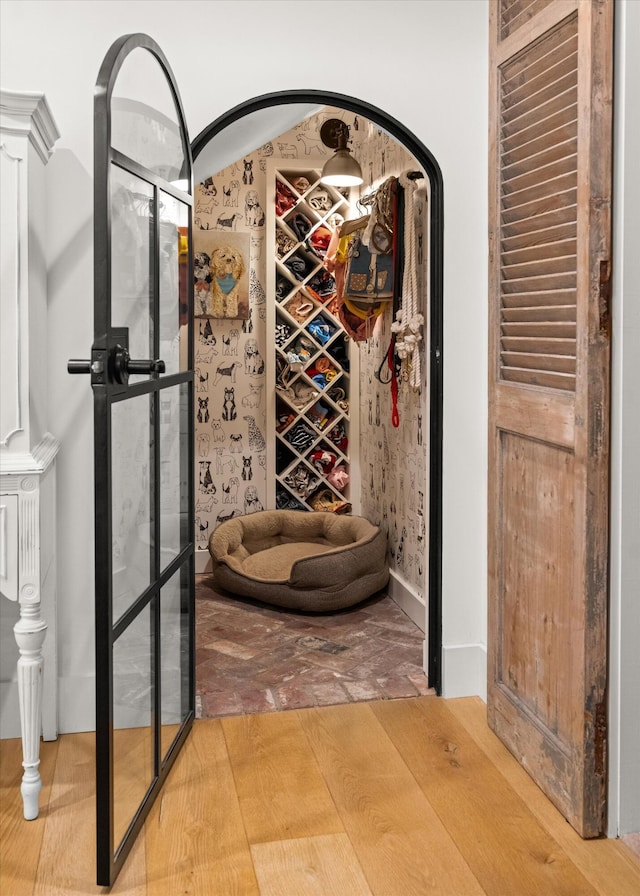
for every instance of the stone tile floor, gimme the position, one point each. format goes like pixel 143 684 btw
pixel 254 658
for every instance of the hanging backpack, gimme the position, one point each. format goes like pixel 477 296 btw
pixel 369 275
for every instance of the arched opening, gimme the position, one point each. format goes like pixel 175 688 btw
pixel 244 121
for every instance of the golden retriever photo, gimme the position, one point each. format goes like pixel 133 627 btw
pixel 228 294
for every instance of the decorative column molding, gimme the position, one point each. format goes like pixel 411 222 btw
pixel 27 449
pixel 30 462
pixel 29 115
pixel 25 122
pixel 13 285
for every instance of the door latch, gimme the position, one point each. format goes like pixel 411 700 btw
pixel 95 366
pixel 122 366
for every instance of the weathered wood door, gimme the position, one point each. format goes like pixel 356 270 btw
pixel 550 251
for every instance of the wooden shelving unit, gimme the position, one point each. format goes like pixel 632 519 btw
pixel 312 365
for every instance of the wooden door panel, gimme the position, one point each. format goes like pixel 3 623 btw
pixel 536 567
pixel 549 229
pixel 533 413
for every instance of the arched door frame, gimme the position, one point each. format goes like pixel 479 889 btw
pixel 430 166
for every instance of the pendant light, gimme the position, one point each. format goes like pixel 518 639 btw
pixel 341 170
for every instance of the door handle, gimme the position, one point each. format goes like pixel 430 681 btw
pixel 121 365
pixel 156 366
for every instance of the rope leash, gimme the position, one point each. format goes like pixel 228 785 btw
pixel 408 323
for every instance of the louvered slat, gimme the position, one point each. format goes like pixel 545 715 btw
pixel 529 227
pixel 539 190
pixel 540 361
pixel 515 182
pixel 541 313
pixel 536 329
pixel 546 282
pixel 515 13
pixel 542 236
pixel 546 346
pixel 538 195
pixel 539 268
pixel 555 249
pixel 528 377
pixel 536 299
pixel 544 205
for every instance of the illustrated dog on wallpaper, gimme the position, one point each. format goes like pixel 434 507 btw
pixel 253 212
pixel 227 267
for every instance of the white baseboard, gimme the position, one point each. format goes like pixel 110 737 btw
pixel 407 599
pixel 464 671
pixel 203 562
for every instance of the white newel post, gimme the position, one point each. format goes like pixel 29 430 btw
pixel 27 448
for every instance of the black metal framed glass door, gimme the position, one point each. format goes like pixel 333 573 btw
pixel 141 373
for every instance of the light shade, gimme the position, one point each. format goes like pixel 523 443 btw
pixel 342 170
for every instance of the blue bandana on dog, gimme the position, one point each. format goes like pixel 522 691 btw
pixel 226 283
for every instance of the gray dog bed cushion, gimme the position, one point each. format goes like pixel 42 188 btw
pixel 313 561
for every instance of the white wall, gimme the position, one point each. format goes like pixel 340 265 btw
pixel 624 789
pixel 431 75
pixel 57 47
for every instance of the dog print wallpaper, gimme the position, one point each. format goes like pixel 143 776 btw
pixel 230 366
pixel 394 494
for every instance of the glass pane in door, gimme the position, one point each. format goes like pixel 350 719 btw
pixel 174 467
pixel 132 261
pixel 133 766
pixel 131 477
pixel 174 283
pixel 174 657
pixel 144 119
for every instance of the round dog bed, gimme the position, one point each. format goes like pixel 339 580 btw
pixel 313 561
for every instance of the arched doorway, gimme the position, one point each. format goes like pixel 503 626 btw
pixel 233 124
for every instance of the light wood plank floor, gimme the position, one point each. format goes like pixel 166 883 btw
pixel 390 798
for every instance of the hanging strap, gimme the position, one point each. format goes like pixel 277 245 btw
pixel 392 360
pixel 384 364
pixel 393 365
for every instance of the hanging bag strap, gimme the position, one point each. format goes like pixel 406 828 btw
pixel 392 362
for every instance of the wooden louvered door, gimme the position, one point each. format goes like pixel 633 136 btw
pixel 550 214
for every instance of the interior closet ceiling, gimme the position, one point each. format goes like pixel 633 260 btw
pixel 248 133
